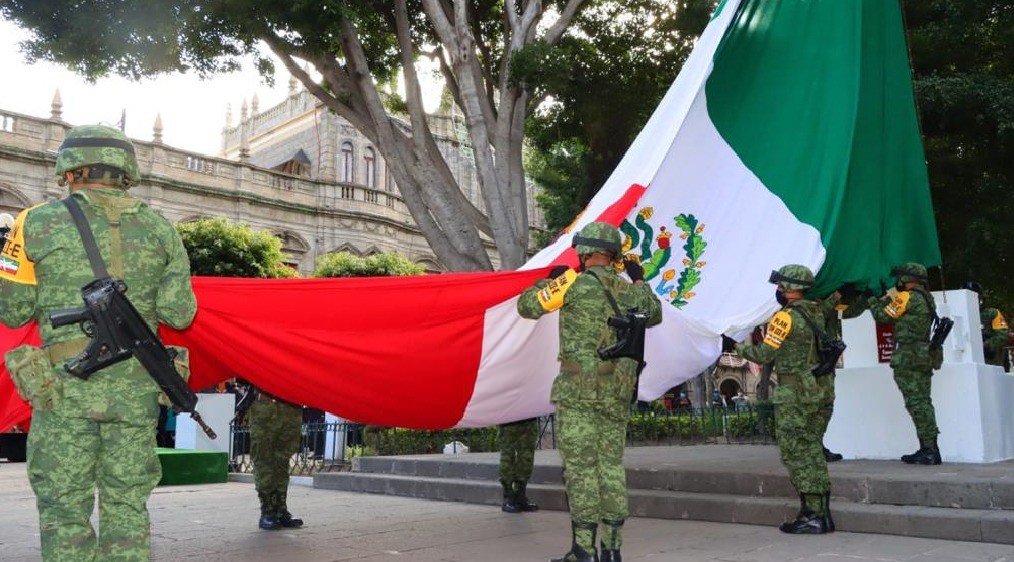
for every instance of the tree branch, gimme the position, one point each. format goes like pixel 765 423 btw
pixel 555 32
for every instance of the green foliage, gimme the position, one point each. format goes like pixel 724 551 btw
pixel 220 248
pixel 603 82
pixel 964 83
pixel 398 441
pixel 386 264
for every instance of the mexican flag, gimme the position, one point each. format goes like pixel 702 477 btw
pixel 790 136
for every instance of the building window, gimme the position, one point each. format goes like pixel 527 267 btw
pixel 370 157
pixel 7 123
pixel 348 163
pixel 195 164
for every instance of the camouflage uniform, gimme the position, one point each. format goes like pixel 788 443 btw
pixel 592 395
pixel 517 443
pixel 799 399
pixel 994 335
pixel 275 433
pixel 830 308
pixel 97 433
pixel 911 313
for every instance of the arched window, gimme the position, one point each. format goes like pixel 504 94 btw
pixel 348 163
pixel 370 156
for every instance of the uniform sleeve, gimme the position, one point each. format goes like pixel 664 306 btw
pixel 878 307
pixel 648 303
pixel 528 303
pixel 778 330
pixel 176 304
pixel 18 291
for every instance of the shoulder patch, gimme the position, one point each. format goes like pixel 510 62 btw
pixel 779 328
pixel 898 305
pixel 14 264
pixel 551 296
pixel 999 323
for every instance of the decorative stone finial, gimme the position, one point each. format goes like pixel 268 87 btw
pixel 255 105
pixel 56 109
pixel 156 136
pixel 244 111
pixel 293 84
pixel 228 115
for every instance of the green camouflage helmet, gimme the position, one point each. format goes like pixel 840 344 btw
pixel 597 237
pixel 910 271
pixel 792 277
pixel 90 145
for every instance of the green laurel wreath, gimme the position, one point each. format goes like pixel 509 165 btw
pixel 694 247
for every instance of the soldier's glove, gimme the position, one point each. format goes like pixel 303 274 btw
pixel 557 271
pixel 633 269
pixel 728 344
pixel 848 290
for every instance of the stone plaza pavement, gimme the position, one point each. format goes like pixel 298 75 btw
pixel 217 522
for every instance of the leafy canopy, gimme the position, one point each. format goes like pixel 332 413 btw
pixel 346 264
pixel 220 248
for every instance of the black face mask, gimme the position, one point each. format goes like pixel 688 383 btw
pixel 781 298
pixel 899 286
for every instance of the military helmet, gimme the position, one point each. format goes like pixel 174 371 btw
pixel 97 145
pixel 597 237
pixel 910 271
pixel 792 277
pixel 973 286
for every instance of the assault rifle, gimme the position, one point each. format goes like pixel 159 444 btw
pixel 629 328
pixel 118 333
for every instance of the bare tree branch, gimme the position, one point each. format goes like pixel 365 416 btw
pixel 555 32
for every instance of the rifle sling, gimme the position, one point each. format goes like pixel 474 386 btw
pixel 91 248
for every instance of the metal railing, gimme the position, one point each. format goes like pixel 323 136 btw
pixel 331 446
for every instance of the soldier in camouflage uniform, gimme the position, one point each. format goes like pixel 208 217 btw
pixel 834 308
pixel 790 345
pixel 911 311
pixel 994 328
pixel 517 442
pixel 99 433
pixel 593 395
pixel 275 433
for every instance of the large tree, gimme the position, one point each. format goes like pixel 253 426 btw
pixel 618 61
pixel 357 46
pixel 964 83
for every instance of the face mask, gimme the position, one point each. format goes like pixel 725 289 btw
pixel 781 298
pixel 899 286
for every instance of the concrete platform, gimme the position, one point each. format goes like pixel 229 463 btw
pixel 729 484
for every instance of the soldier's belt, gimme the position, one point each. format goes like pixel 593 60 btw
pixel 601 367
pixel 60 352
pixel 788 379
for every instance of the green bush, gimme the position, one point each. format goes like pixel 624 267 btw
pixel 398 441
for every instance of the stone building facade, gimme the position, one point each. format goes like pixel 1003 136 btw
pixel 296 170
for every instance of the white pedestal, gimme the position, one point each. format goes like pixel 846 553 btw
pixel 972 400
pixel 334 446
pixel 217 411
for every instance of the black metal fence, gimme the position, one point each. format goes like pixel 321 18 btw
pixel 332 446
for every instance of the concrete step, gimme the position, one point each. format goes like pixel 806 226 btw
pixel 978 525
pixel 942 486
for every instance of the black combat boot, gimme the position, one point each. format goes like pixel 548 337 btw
pixel 828 521
pixel 521 496
pixel 807 523
pixel 909 459
pixel 830 456
pixel 929 455
pixel 269 519
pixel 282 511
pixel 612 538
pixel 510 502
pixel 580 551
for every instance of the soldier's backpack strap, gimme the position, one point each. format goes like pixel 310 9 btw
pixel 92 249
pixel 609 294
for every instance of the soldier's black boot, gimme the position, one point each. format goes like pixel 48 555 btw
pixel 612 538
pixel 830 456
pixel 582 548
pixel 928 455
pixel 510 502
pixel 284 517
pixel 268 520
pixel 521 496
pixel 808 523
pixel 910 459
pixel 828 521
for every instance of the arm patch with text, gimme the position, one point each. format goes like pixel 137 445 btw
pixel 778 329
pixel 999 323
pixel 14 264
pixel 898 305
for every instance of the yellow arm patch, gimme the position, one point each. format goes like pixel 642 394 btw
pixel 778 329
pixel 898 305
pixel 999 323
pixel 14 264
pixel 551 296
